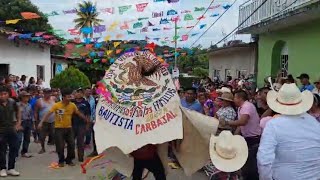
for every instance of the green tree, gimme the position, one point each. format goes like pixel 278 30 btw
pixel 87 16
pixel 11 9
pixel 198 58
pixel 200 72
pixel 70 78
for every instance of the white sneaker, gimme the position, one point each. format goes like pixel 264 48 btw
pixel 13 172
pixel 3 173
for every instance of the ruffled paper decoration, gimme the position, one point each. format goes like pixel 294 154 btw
pixel 140 7
pixel 13 21
pixel 29 15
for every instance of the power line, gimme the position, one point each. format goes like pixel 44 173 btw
pixel 249 17
pixel 200 16
pixel 213 23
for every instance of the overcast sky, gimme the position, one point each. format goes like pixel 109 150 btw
pixel 226 24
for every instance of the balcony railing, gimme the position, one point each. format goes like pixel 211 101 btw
pixel 269 10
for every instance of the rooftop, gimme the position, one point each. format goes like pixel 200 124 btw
pixel 232 47
pixel 259 16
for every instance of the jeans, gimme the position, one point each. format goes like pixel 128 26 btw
pixel 35 132
pixel 10 139
pixel 250 169
pixel 79 133
pixel 62 136
pixel 24 136
pixel 153 165
pixel 89 134
pixel 47 129
pixel 94 141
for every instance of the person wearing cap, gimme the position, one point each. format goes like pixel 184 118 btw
pixel 304 80
pixel 10 123
pixel 42 107
pixel 27 122
pixel 226 111
pixel 316 90
pixel 290 143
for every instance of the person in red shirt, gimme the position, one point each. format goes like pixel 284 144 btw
pixel 8 83
pixel 147 158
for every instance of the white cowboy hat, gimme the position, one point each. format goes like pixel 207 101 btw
pixel 289 100
pixel 226 96
pixel 228 153
pixel 223 90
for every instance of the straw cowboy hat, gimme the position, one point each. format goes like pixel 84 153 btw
pixel 223 90
pixel 24 94
pixel 289 100
pixel 226 97
pixel 228 152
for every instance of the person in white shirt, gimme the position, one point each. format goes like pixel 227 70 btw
pixel 290 144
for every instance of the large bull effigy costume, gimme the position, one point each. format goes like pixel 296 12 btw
pixel 139 105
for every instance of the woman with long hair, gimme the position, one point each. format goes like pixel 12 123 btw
pixel 32 82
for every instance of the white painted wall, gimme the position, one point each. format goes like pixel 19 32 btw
pixel 235 59
pixel 25 58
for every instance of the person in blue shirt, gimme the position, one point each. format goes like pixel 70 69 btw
pixel 190 101
pixel 33 90
pixel 306 85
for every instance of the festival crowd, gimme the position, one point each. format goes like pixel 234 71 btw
pixel 279 122
pixel 28 109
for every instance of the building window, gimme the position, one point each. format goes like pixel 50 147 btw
pixel 241 73
pixel 40 72
pixel 227 74
pixel 216 73
pixel 4 70
pixel 284 57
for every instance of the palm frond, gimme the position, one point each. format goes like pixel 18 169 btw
pixel 87 19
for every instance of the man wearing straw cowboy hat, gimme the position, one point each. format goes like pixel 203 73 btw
pixel 228 152
pixel 290 144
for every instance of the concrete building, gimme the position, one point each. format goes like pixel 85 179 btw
pixel 233 60
pixel 288 34
pixel 59 64
pixel 30 59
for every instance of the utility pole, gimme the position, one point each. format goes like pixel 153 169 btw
pixel 175 43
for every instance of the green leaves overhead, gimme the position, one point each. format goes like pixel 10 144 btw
pixel 11 9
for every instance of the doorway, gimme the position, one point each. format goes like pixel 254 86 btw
pixel 4 70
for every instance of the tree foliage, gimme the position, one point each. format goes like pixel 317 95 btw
pixel 200 72
pixel 87 16
pixel 197 63
pixel 11 9
pixel 70 78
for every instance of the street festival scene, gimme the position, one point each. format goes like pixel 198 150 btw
pixel 159 89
